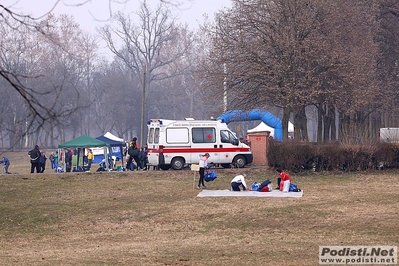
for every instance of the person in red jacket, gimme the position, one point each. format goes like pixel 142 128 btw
pixel 283 177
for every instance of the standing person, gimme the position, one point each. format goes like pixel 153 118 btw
pixel 90 157
pixel 141 159
pixel 34 159
pixel 56 159
pixel 68 160
pixel 133 152
pixel 145 157
pixel 42 161
pixel 6 164
pixel 203 163
pixel 52 161
pixel 284 177
pixel 129 157
pixel 134 140
pixel 239 181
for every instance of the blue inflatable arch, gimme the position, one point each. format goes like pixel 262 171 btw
pixel 256 114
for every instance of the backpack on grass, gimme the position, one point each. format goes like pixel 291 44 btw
pixel 294 188
pixel 255 186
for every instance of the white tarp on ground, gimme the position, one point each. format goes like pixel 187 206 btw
pixel 228 193
pixel 112 136
pixel 263 127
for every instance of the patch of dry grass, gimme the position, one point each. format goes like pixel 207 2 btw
pixel 155 218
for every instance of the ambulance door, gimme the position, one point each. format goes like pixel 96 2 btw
pixel 153 146
pixel 203 139
pixel 228 143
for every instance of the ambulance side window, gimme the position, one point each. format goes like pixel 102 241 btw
pixel 227 137
pixel 156 136
pixel 204 135
pixel 224 136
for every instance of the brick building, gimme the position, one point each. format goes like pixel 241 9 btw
pixel 258 143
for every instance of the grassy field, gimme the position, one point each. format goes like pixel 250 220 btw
pixel 155 218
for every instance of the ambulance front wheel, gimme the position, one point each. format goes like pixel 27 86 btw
pixel 239 161
pixel 177 163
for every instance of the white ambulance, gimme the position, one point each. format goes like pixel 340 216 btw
pixel 175 143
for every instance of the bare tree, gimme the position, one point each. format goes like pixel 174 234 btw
pixel 25 69
pixel 293 54
pixel 388 71
pixel 259 49
pixel 143 47
pixel 16 77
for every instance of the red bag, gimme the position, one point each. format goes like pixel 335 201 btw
pixel 265 189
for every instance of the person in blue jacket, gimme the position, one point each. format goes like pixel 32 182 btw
pixel 6 164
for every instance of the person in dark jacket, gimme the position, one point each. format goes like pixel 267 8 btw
pixel 68 160
pixel 133 152
pixel 145 159
pixel 34 159
pixel 142 157
pixel 42 161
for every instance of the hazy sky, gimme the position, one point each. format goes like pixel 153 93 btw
pixel 92 13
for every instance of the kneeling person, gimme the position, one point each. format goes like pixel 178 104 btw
pixel 237 182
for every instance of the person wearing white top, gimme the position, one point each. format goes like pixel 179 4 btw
pixel 237 182
pixel 203 163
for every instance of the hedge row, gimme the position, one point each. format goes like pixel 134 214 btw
pixel 298 156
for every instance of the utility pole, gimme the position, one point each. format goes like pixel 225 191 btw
pixel 225 88
pixel 143 106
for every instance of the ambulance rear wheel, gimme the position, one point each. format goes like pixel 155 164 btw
pixel 178 163
pixel 239 161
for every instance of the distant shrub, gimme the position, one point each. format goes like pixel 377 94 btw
pixel 302 156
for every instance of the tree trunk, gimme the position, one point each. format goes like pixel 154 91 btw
pixel 319 123
pixel 285 120
pixel 302 123
pixel 333 124
pixel 326 122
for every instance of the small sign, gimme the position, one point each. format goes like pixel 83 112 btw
pixel 195 167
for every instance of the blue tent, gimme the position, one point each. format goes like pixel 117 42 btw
pixel 116 149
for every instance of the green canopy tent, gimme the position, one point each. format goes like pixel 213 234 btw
pixel 85 141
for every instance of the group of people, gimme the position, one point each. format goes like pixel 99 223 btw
pixel 238 183
pixel 88 158
pixel 38 160
pixel 137 154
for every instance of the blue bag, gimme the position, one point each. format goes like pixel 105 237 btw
pixel 210 176
pixel 255 186
pixel 293 188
